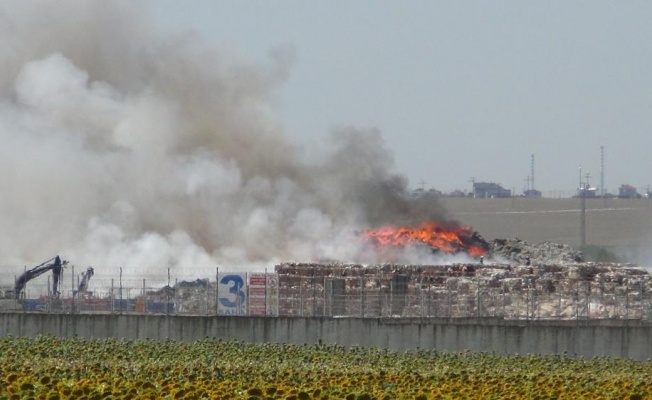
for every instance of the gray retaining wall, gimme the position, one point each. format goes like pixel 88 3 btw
pixel 589 338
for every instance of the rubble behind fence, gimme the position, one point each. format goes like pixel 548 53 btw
pixel 388 291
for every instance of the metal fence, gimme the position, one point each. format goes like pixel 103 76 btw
pixel 524 298
pixel 366 296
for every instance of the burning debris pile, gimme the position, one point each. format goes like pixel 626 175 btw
pixel 390 242
pixel 552 286
pixel 507 278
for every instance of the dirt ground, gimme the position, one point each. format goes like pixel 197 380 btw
pixel 622 226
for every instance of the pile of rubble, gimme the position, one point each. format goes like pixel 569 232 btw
pixel 564 289
pixel 188 296
pixel 519 251
pixel 516 279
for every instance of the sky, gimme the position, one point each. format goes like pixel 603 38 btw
pixel 204 134
pixel 459 90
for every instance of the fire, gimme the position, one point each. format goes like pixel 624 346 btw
pixel 447 239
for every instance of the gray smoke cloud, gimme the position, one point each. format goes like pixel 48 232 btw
pixel 124 145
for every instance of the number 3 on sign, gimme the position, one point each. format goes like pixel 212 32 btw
pixel 236 296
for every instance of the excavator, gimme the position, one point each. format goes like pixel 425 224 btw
pixel 54 264
pixel 82 288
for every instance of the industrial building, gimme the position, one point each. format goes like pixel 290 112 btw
pixel 490 190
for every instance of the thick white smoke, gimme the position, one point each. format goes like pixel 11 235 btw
pixel 125 146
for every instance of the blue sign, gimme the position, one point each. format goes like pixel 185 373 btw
pixel 232 294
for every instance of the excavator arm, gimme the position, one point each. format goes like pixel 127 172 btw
pixel 54 264
pixel 83 284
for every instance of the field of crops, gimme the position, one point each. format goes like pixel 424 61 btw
pixel 52 368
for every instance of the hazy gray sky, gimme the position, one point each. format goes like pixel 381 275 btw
pixel 458 89
pixel 196 134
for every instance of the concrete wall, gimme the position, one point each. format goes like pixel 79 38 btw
pixel 630 339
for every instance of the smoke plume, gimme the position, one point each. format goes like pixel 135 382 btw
pixel 127 146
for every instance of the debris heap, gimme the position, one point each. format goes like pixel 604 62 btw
pixel 578 290
pixel 518 251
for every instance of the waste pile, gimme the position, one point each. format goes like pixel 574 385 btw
pixel 489 289
pixel 519 251
pixel 515 279
pixel 194 297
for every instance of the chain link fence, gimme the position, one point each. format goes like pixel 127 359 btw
pixel 448 293
pixel 523 298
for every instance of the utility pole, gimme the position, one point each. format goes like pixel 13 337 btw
pixel 601 171
pixel 587 175
pixel 532 171
pixel 582 194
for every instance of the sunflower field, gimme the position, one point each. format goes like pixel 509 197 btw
pixel 47 367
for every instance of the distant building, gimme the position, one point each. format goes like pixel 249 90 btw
pixel 532 193
pixel 421 193
pixel 628 192
pixel 416 193
pixel 588 192
pixel 490 190
pixel 457 193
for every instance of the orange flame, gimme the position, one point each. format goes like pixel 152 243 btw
pixel 447 239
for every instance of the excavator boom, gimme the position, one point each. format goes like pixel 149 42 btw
pixel 83 284
pixel 54 264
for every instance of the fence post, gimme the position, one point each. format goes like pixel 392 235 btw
pixel 16 294
pixel 428 300
pixel 239 304
pixel 72 279
pixel 314 295
pixel 120 290
pixel 588 300
pixel 361 298
pixel 626 298
pixel 642 301
pixel 576 298
pixel 325 297
pixel 265 302
pixel 477 297
pixel 405 296
pixel 143 301
pixel 300 297
pixel 535 301
pixel 379 283
pixel 391 297
pixel 217 290
pixel 504 301
pixel 559 301
pixel 448 299
pixel 112 297
pixel 49 296
pixel 423 303
pixel 527 300
pixel 208 296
